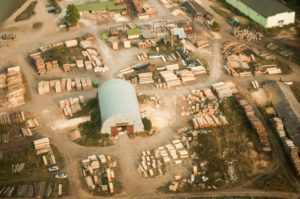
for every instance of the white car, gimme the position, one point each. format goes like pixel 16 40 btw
pixel 61 175
pixel 53 168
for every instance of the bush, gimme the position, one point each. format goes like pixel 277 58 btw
pixel 37 25
pixel 147 123
pixel 215 27
pixel 72 16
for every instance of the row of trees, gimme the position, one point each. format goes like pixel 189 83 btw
pixel 72 15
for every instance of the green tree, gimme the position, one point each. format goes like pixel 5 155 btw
pixel 72 14
pixel 147 123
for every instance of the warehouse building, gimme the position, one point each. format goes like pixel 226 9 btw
pixel 101 6
pixel 119 108
pixel 267 13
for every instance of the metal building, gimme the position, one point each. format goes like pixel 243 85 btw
pixel 268 13
pixel 119 108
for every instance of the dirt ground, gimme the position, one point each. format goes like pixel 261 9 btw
pixel 127 150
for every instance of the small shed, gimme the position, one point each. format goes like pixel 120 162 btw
pixel 133 33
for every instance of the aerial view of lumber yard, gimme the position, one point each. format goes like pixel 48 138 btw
pixel 150 99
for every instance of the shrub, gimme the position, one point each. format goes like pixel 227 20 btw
pixel 147 123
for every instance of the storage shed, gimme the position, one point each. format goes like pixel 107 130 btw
pixel 119 108
pixel 268 13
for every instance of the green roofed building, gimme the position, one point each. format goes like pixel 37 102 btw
pixel 91 7
pixel 133 33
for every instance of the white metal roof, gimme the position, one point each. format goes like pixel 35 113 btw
pixel 118 103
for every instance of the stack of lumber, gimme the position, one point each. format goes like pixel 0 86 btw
pixel 273 71
pixel 42 144
pixel 98 170
pixel 142 57
pixel 293 152
pixel 198 70
pixel 272 46
pixel 247 34
pixel 255 84
pixel 202 43
pixel 70 106
pixel 202 121
pixel 239 57
pixel 146 78
pixel 255 122
pixel 170 78
pixel 39 63
pixel 185 75
pixel 278 124
pixel 17 168
pixel 172 67
pixel 61 85
pixel 152 162
pixel 71 43
pixel 15 94
pixel 2 81
pixel 224 89
pixel 66 67
pixel 146 44
pixel 15 117
pixel 74 135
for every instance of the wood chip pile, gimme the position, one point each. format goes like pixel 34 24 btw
pixel 13 84
pixel 71 105
pixel 99 174
pixel 152 163
pixel 256 123
pixel 61 85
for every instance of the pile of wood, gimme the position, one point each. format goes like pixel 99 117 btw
pixel 142 57
pixel 272 46
pixel 17 168
pixel 293 152
pixel 145 78
pixel 74 135
pixel 247 34
pixel 61 85
pixel 225 89
pixel 204 43
pixel 152 162
pixel 170 78
pixel 185 75
pixel 198 70
pixel 7 35
pixel 48 157
pixel 255 84
pixel 71 105
pixel 146 44
pixel 42 144
pixel 202 121
pixel 14 86
pixel 278 124
pixel 16 117
pixel 98 172
pixel 38 189
pixel 40 64
pixel 255 122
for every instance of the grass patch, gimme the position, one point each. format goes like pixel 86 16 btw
pixel 27 13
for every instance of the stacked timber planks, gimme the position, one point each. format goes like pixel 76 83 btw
pixel 224 89
pixel 145 78
pixel 15 88
pixel 293 152
pixel 71 105
pixel 170 78
pixel 185 75
pixel 40 144
pixel 146 44
pixel 256 124
pixel 61 85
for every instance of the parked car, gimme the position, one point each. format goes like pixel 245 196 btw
pixel 61 175
pixel 53 168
